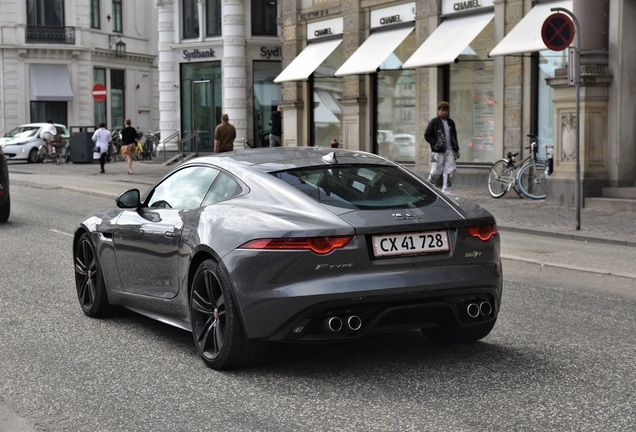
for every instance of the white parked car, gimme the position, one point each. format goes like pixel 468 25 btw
pixel 24 141
pixel 406 144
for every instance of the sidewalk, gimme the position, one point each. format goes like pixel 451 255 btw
pixel 511 212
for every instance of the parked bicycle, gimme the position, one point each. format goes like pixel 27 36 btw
pixel 150 144
pixel 531 179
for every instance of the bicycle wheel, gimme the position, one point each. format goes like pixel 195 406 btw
pixel 499 179
pixel 531 180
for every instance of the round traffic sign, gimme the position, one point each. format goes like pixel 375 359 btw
pixel 557 31
pixel 99 92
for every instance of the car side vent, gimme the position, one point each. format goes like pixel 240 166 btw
pixel 330 158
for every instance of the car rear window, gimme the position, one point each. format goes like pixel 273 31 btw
pixel 360 186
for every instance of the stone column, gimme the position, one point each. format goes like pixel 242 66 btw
pixel 234 67
pixel 292 92
pixel 168 71
pixel 354 100
pixel 595 79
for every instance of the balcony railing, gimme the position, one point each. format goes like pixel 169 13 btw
pixel 50 34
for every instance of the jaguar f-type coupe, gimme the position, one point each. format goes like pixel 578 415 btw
pixel 292 244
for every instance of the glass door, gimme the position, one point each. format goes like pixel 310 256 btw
pixel 202 121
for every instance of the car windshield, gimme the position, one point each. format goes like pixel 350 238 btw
pixel 361 187
pixel 23 132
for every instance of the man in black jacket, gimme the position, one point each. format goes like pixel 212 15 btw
pixel 442 136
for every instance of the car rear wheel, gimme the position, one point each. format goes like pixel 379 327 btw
pixel 216 327
pixel 89 281
pixel 441 335
pixel 5 210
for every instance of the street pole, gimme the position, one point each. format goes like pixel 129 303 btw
pixel 577 181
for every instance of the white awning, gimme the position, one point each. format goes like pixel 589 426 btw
pixel 308 61
pixel 448 41
pixel 49 82
pixel 525 37
pixel 377 48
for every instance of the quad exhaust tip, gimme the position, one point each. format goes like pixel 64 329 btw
pixel 354 322
pixel 333 324
pixel 474 310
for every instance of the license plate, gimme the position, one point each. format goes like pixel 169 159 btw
pixel 410 243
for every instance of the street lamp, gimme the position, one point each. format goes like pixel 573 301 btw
pixel 120 46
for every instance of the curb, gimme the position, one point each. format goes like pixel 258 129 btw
pixel 567 236
pixel 568 266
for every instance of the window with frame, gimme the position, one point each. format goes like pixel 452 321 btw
pixel 213 18
pixel 264 18
pixel 95 14
pixel 190 19
pixel 99 108
pixel 117 98
pixel 117 16
pixel 45 12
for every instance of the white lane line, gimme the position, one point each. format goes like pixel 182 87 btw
pixel 60 232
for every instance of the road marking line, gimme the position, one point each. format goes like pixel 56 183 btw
pixel 60 232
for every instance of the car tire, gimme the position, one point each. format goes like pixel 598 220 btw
pixel 5 210
pixel 216 326
pixel 441 335
pixel 34 156
pixel 89 280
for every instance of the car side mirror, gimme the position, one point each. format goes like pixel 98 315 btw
pixel 128 199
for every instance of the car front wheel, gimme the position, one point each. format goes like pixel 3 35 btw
pixel 216 327
pixel 89 281
pixel 34 156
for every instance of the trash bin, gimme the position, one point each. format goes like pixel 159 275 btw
pixel 82 144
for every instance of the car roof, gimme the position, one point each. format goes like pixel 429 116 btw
pixel 272 159
pixel 41 124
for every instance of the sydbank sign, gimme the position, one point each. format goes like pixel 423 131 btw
pixel 326 28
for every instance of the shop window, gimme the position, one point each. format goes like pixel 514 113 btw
pixel 117 98
pixel 548 63
pixel 99 108
pixel 190 19
pixel 267 96
pixel 213 17
pixel 395 130
pixel 117 17
pixel 41 111
pixel 325 92
pixel 264 18
pixel 95 14
pixel 472 94
pixel 45 12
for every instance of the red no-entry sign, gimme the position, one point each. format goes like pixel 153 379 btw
pixel 557 31
pixel 99 92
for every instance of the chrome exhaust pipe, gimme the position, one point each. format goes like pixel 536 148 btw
pixel 472 310
pixel 485 308
pixel 333 324
pixel 353 322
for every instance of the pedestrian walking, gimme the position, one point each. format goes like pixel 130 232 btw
pixel 276 130
pixel 129 143
pixel 442 136
pixel 48 135
pixel 224 135
pixel 101 137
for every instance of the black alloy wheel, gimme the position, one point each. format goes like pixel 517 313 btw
pixel 34 156
pixel 216 326
pixel 91 289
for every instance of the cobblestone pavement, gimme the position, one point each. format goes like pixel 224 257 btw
pixel 511 212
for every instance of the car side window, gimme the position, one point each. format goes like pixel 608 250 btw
pixel 224 188
pixel 60 131
pixel 185 189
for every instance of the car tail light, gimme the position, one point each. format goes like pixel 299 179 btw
pixel 483 232
pixel 319 245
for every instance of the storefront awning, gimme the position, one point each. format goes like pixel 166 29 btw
pixel 308 61
pixel 377 48
pixel 448 41
pixel 50 82
pixel 525 37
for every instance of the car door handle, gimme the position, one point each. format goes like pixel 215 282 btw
pixel 168 234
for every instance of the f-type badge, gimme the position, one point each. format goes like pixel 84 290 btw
pixel 405 216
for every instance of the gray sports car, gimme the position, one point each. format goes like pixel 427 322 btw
pixel 292 244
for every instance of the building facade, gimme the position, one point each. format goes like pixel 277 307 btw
pixel 53 52
pixel 218 57
pixel 369 73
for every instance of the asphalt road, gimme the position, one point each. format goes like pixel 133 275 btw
pixel 560 358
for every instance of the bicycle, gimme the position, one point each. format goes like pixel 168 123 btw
pixel 530 180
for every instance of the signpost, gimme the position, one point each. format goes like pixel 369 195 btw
pixel 557 33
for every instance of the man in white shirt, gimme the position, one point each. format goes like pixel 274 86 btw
pixel 48 134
